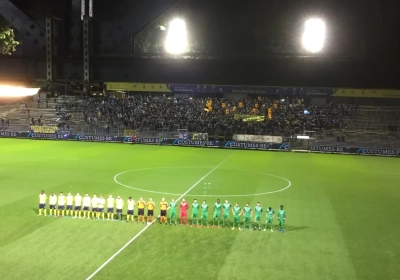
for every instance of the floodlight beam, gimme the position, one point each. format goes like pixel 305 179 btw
pixel 176 42
pixel 314 35
pixel 12 91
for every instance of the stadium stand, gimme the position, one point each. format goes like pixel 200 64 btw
pixel 155 115
pixel 211 115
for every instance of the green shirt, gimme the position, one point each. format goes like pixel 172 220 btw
pixel 204 208
pixel 236 210
pixel 195 207
pixel 270 213
pixel 227 207
pixel 281 214
pixel 247 211
pixel 172 206
pixel 258 210
pixel 217 207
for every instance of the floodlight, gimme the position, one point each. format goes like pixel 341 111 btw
pixel 12 91
pixel 314 35
pixel 176 42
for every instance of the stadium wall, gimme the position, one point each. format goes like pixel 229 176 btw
pixel 199 143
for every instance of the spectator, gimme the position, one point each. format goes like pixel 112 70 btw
pixel 209 115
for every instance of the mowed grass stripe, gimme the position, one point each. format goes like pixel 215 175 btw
pixel 341 216
pixel 191 251
pixel 142 231
pixel 68 245
pixel 365 198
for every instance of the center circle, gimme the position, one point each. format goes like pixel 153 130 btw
pixel 178 180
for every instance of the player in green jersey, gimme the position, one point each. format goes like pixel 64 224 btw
pixel 172 211
pixel 247 216
pixel 217 212
pixel 195 212
pixel 236 211
pixel 270 216
pixel 204 213
pixel 281 219
pixel 226 208
pixel 257 216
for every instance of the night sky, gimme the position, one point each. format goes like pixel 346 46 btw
pixel 239 42
pixel 354 28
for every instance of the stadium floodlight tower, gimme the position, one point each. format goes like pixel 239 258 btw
pixel 314 35
pixel 176 42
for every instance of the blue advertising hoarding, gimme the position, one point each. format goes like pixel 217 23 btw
pixel 199 143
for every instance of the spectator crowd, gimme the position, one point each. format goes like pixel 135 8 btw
pixel 209 115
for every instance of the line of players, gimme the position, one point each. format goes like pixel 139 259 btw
pixel 93 207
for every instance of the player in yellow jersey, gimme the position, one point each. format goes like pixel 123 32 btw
pixel 150 210
pixel 119 204
pixel 86 206
pixel 163 211
pixel 141 205
pixel 78 205
pixel 42 203
pixel 131 209
pixel 61 204
pixel 53 204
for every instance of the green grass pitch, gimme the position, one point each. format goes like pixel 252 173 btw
pixel 342 213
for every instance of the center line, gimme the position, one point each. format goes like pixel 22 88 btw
pixel 147 226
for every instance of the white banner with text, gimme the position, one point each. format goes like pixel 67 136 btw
pixel 257 138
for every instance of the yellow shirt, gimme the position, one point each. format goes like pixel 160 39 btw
pixel 163 205
pixel 141 204
pixel 151 205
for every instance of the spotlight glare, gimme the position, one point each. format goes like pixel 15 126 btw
pixel 314 35
pixel 176 42
pixel 12 91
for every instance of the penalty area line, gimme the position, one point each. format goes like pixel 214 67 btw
pixel 147 226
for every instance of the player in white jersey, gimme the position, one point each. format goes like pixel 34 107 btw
pixel 86 206
pixel 53 204
pixel 95 204
pixel 100 207
pixel 70 202
pixel 131 209
pixel 119 204
pixel 42 203
pixel 110 207
pixel 61 204
pixel 78 205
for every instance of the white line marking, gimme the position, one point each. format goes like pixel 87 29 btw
pixel 147 226
pixel 210 195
